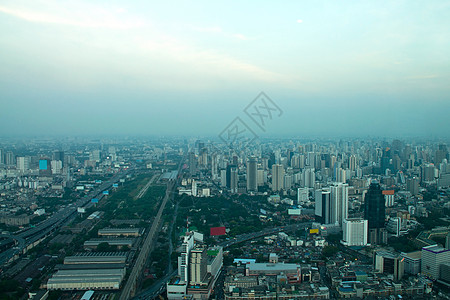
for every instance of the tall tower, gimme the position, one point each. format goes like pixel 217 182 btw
pixel 323 210
pixel 277 177
pixel 352 162
pixel 252 184
pixel 234 179
pixel 374 212
pixel 198 265
pixel 192 163
pixel 339 202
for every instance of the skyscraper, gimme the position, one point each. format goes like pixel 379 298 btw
pixel 23 163
pixel 198 265
pixel 355 232
pixel 234 180
pixel 323 212
pixel 432 258
pixel 339 202
pixel 192 163
pixel 412 185
pixel 302 195
pixel 308 178
pixel 374 212
pixel 252 184
pixel 277 177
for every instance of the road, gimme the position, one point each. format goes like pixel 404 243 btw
pixel 130 286
pixel 145 188
pixel 158 287
pixel 30 236
pixel 250 236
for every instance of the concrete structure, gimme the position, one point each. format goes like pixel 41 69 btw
pixel 388 198
pixel 277 177
pixel 86 279
pixel 339 203
pixel 432 257
pixel 323 210
pixel 355 232
pixel 116 232
pixel 374 212
pixel 119 243
pixel 302 195
pixel 291 271
pixel 215 260
pixel 252 183
pixel 389 263
pixel 198 265
pixel 183 259
pixel 412 262
pixel 97 258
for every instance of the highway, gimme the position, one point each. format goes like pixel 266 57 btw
pixel 158 287
pixel 250 236
pixel 28 237
pixel 130 287
pixel 145 188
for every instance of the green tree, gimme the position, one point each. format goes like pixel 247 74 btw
pixel 329 251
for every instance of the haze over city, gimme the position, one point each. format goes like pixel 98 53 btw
pixel 353 68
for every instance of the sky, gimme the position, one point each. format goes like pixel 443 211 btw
pixel 334 68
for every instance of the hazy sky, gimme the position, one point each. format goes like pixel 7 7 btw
pixel 190 67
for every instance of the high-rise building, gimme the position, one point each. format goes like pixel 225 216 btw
pixel 339 202
pixel 277 177
pixel 428 172
pixel 412 185
pixel 214 170
pixel 308 178
pixel 447 241
pixel 10 160
pixel 352 162
pixel 432 258
pixel 323 212
pixel 390 263
pixel 2 156
pixel 234 180
pixel 183 259
pixel 198 265
pixel 56 166
pixel 355 232
pixel 95 155
pixel 288 181
pixel 58 155
pixel 412 262
pixel 302 195
pixel 45 168
pixel 192 163
pixel 388 198
pixel 261 177
pixel 374 212
pixel 23 163
pixel 223 178
pixel 252 183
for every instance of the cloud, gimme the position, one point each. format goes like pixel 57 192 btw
pixel 219 30
pixel 299 21
pixel 429 76
pixel 75 14
pixel 240 36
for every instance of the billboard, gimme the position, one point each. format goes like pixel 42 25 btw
pixel 105 192
pixel 214 231
pixel 115 185
pixel 314 231
pixel 43 164
pixel 94 200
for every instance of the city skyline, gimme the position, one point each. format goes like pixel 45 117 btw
pixel 347 69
